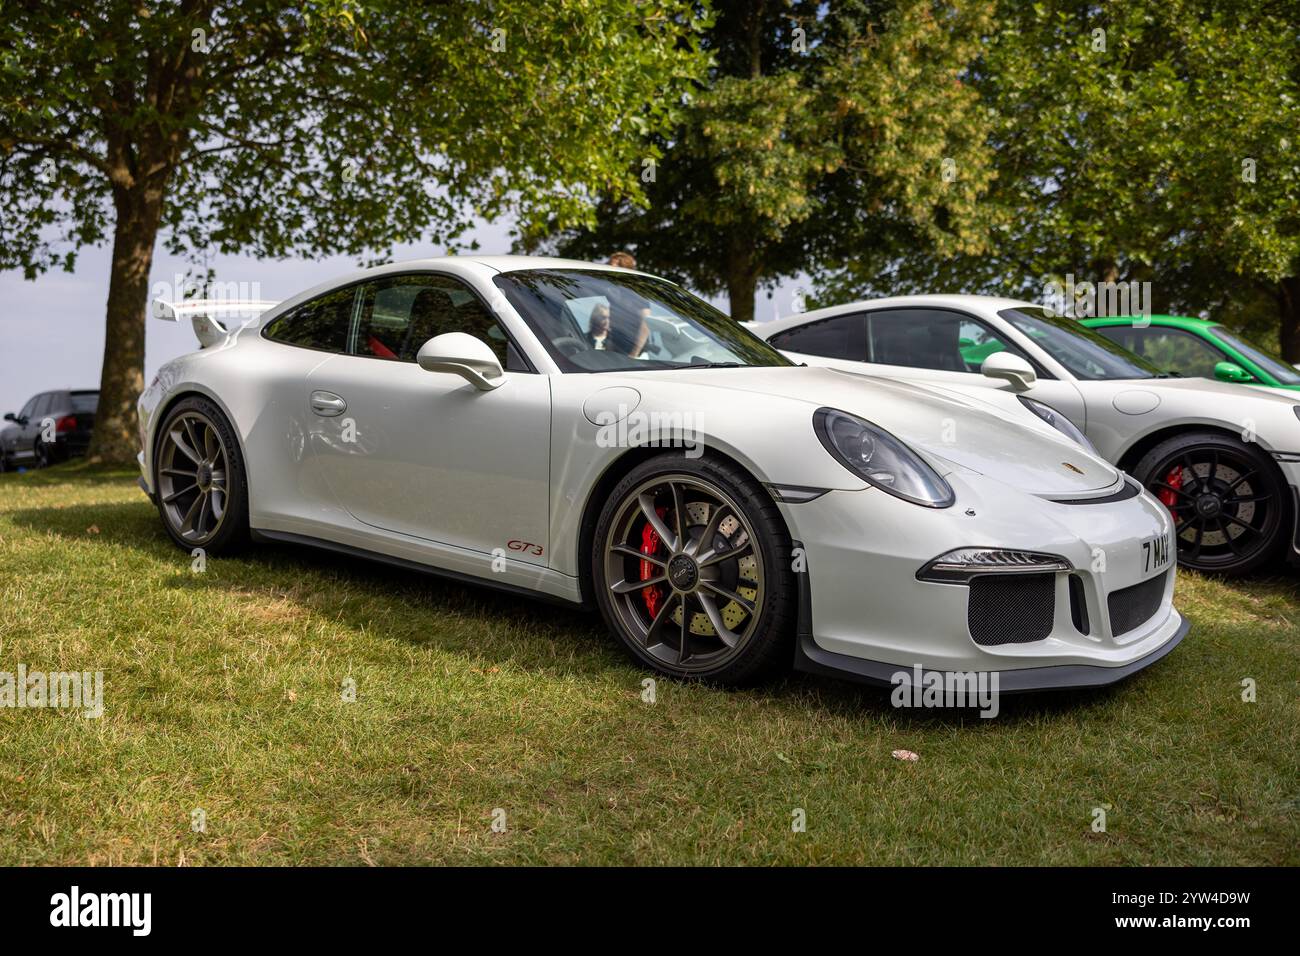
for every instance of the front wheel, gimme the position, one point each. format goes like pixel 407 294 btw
pixel 1228 502
pixel 692 571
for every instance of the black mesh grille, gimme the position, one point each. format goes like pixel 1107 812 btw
pixel 1133 606
pixel 1011 608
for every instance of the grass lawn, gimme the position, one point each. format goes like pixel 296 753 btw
pixel 223 693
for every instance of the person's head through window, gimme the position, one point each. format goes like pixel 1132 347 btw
pixel 628 330
pixel 598 327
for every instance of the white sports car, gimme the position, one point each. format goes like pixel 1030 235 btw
pixel 600 436
pixel 1225 460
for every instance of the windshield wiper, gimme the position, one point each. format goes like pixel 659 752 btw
pixel 714 365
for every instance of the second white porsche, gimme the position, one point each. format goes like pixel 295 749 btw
pixel 601 436
pixel 1225 460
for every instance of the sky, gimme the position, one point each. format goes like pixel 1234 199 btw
pixel 52 328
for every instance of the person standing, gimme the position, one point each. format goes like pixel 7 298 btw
pixel 628 329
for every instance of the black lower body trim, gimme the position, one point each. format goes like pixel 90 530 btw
pixel 816 660
pixel 288 537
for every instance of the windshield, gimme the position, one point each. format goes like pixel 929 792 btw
pixel 1085 353
pixel 600 321
pixel 85 401
pixel 1272 365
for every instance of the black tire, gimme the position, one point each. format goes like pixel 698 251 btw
pixel 750 572
pixel 1230 504
pixel 224 482
pixel 41 457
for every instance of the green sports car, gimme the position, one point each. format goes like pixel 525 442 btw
pixel 1197 348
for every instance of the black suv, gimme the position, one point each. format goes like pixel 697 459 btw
pixel 53 426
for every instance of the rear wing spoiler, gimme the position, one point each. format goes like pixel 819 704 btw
pixel 213 319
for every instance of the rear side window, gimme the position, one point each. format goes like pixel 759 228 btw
pixel 840 337
pixel 85 402
pixel 322 323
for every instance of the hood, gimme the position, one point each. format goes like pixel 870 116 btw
pixel 951 430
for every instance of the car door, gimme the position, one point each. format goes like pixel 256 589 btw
pixel 34 427
pixel 427 454
pixel 24 434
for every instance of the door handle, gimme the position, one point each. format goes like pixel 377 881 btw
pixel 327 404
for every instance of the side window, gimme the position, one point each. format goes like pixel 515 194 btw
pixel 43 404
pixel 398 314
pixel 29 410
pixel 932 338
pixel 840 337
pixel 1171 349
pixel 322 323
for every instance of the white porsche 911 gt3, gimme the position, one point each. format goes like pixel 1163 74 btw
pixel 1225 460
pixel 601 436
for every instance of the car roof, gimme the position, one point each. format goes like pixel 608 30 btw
pixel 503 263
pixel 986 303
pixel 1182 321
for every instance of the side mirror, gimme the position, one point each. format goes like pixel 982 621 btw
pixel 462 355
pixel 1231 372
pixel 1012 368
pixel 10 417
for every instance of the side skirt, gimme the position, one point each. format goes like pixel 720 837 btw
pixel 288 537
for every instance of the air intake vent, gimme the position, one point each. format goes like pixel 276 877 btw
pixel 1133 606
pixel 1011 608
pixel 1078 605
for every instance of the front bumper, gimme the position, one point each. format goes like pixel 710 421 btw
pixel 865 614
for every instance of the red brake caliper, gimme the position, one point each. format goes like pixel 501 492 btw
pixel 1167 497
pixel 652 595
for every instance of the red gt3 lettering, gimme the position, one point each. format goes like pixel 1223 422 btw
pixel 530 548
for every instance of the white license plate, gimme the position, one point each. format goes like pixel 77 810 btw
pixel 1157 552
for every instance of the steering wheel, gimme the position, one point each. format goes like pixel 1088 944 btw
pixel 569 345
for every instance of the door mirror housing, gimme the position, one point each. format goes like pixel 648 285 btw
pixel 1231 372
pixel 10 417
pixel 464 355
pixel 1011 368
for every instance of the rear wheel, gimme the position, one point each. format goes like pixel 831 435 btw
pixel 199 475
pixel 41 457
pixel 692 571
pixel 1226 497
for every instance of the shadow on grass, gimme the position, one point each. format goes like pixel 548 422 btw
pixel 78 470
pixel 277 568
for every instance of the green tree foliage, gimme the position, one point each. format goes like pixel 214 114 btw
pixel 1152 140
pixel 817 133
pixel 331 126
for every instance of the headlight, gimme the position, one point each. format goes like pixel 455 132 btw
pixel 1058 421
pixel 878 457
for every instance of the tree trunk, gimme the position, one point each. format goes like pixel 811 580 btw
pixel 1288 304
pixel 121 380
pixel 742 283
